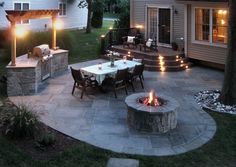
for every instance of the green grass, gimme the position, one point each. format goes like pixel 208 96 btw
pixel 219 152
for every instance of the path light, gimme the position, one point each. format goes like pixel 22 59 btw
pixel 186 67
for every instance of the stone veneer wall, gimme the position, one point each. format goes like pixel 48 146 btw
pixel 21 81
pixel 25 80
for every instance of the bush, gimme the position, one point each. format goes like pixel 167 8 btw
pixel 46 140
pixel 21 123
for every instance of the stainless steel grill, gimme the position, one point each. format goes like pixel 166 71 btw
pixel 43 52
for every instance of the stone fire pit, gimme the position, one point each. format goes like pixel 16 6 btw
pixel 153 119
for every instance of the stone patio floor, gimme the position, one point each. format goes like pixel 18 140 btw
pixel 100 119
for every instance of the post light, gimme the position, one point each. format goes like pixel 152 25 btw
pixel 56 25
pixel 139 26
pixel 177 57
pixel 182 61
pixel 186 67
pixel 110 28
pixel 20 32
pixel 161 57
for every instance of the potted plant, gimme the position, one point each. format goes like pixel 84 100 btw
pixel 174 46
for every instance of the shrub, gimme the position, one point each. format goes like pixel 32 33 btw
pixel 21 123
pixel 46 140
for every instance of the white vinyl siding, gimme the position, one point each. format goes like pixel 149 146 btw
pixel 139 16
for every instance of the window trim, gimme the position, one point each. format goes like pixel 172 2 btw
pixel 22 2
pixel 193 35
pixel 62 2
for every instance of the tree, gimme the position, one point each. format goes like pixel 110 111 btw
pixel 88 4
pixel 97 18
pixel 124 16
pixel 228 92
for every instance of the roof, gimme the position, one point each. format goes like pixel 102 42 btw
pixel 17 15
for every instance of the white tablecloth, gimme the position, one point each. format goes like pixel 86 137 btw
pixel 100 74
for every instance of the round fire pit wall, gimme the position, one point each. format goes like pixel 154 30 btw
pixel 153 119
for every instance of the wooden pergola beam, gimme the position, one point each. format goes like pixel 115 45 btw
pixel 15 16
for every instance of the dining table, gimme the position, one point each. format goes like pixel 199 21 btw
pixel 101 70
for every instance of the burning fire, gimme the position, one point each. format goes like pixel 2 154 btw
pixel 152 100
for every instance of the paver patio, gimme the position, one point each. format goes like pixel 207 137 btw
pixel 100 119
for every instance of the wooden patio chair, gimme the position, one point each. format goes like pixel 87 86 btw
pixel 82 82
pixel 136 73
pixel 119 81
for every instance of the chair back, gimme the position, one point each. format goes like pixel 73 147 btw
pixel 121 75
pixel 77 75
pixel 138 70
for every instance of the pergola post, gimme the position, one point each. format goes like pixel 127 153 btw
pixel 13 45
pixel 54 33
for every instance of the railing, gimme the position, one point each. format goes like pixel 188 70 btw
pixel 114 37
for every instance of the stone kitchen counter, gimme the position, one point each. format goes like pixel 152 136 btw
pixel 25 77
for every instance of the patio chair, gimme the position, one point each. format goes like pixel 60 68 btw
pixel 119 81
pixel 150 45
pixel 132 39
pixel 136 73
pixel 82 82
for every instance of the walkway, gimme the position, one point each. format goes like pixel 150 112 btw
pixel 100 119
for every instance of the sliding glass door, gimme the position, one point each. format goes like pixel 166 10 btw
pixel 159 25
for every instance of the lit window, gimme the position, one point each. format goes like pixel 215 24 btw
pixel 202 27
pixel 211 25
pixel 62 8
pixel 22 6
pixel 220 26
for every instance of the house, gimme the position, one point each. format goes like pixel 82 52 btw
pixel 200 26
pixel 70 14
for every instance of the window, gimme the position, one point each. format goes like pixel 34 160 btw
pixel 22 6
pixel 211 25
pixel 62 8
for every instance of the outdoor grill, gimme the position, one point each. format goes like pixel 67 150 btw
pixel 43 52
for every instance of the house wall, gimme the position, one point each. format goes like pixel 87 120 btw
pixel 207 53
pixel 75 18
pixel 138 15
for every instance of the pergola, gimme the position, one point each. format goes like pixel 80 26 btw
pixel 15 16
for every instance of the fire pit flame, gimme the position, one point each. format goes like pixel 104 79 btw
pixel 152 100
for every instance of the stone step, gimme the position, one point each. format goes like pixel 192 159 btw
pixel 167 68
pixel 166 62
pixel 122 162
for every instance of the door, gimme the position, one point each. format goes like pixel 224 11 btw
pixel 164 25
pixel 159 25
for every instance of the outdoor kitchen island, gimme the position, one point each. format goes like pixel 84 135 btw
pixel 25 77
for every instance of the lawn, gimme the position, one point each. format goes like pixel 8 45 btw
pixel 219 152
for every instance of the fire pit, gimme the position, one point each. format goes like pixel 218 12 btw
pixel 149 113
